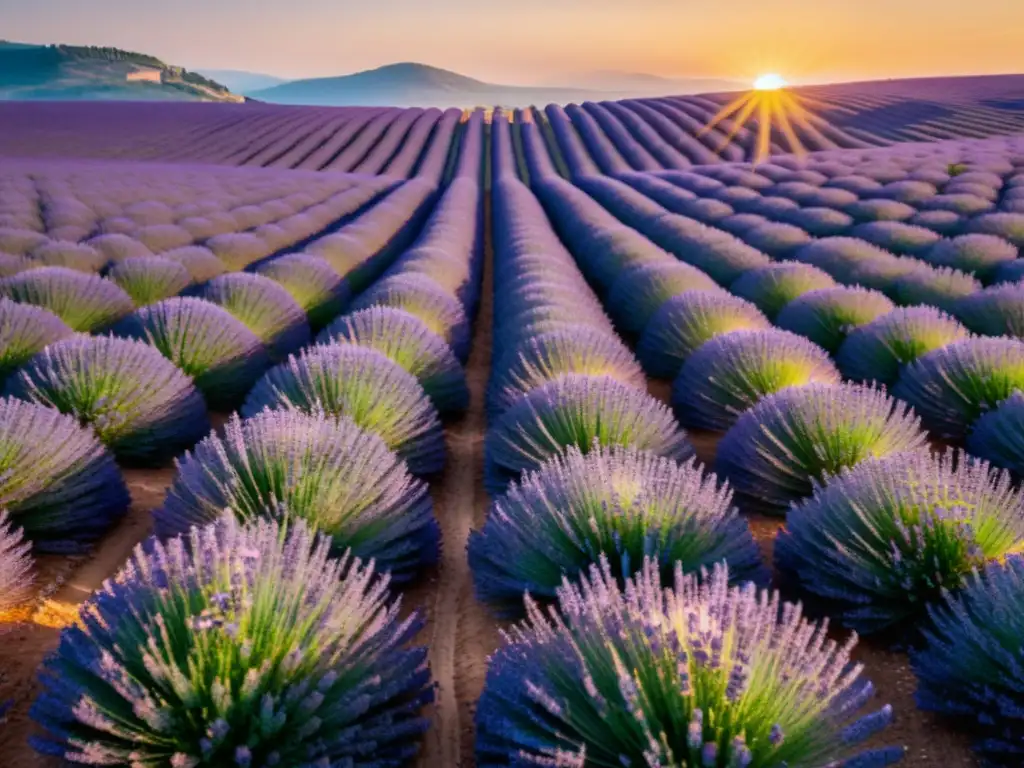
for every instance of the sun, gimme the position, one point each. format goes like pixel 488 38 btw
pixel 770 82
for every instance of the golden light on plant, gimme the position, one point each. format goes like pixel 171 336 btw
pixel 772 109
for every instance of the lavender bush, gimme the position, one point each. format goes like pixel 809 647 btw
pixel 150 279
pixel 24 331
pixel 15 567
pixel 885 539
pixel 776 451
pixel 773 287
pixel 730 373
pixel 223 357
pixel 338 479
pixel 578 410
pixel 376 393
pixel 617 503
pixel 237 646
pixel 699 674
pixel 57 481
pixel 403 338
pixel 138 403
pixel 84 302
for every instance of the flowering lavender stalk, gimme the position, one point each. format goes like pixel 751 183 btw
pixel 583 411
pixel 221 355
pixel 237 646
pixel 940 287
pixel 995 311
pixel 577 349
pixel 84 302
pixel 15 567
pixel 777 450
pixel 885 539
pixel 826 316
pixel 406 340
pixel 24 330
pixel 377 394
pixel 318 289
pixel 953 386
pixel 150 279
pixel 420 296
pixel 879 350
pixel 341 480
pixel 265 308
pixel 201 263
pixel 896 237
pixel 998 436
pixel 969 666
pixel 730 373
pixel 638 293
pixel 773 287
pixel 56 479
pixel 137 402
pixel 685 322
pixel 698 675
pixel 619 503
pixel 77 256
pixel 980 255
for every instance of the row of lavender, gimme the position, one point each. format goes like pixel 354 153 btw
pixel 883 539
pixel 252 619
pixel 598 505
pixel 391 142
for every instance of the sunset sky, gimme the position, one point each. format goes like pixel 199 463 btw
pixel 543 41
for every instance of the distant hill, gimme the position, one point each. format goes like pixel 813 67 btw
pixel 242 82
pixel 419 85
pixel 65 72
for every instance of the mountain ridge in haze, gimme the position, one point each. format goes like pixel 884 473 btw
pixel 242 81
pixel 411 84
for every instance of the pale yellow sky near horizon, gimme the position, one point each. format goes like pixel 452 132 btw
pixel 539 41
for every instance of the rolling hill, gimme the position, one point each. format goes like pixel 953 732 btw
pixel 419 85
pixel 63 72
pixel 240 81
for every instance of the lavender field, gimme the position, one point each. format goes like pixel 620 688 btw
pixel 634 433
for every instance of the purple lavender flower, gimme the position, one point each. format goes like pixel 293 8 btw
pixel 978 254
pixel 639 292
pixel 340 480
pixel 885 539
pixel 138 403
pixel 577 410
pixel 309 662
pixel 998 435
pixel 879 350
pixel 773 287
pixel 605 681
pixel 577 349
pixel 200 262
pixel 406 340
pixel 15 565
pixel 24 331
pixel 223 357
pixel 422 297
pixel 732 372
pixel 117 248
pixel 76 256
pixel 940 287
pixel 777 450
pixel 265 308
pixel 616 503
pixel 968 667
pixel 57 481
pixel 827 315
pixel 776 239
pixel 318 289
pixel 150 279
pixel 953 386
pixel 376 393
pixel 995 311
pixel 84 302
pixel 896 237
pixel 685 322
